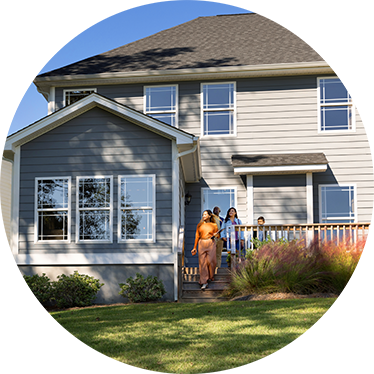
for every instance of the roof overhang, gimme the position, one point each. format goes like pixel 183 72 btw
pixel 184 141
pixel 280 163
pixel 225 72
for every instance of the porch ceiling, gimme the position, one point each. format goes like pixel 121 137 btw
pixel 280 163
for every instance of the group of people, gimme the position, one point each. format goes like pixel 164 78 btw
pixel 211 237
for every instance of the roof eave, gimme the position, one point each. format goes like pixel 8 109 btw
pixel 225 72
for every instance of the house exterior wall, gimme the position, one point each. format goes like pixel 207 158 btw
pixel 6 195
pixel 274 115
pixel 96 143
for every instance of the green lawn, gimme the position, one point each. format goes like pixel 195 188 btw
pixel 193 338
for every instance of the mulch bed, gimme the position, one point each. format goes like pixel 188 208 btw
pixel 282 296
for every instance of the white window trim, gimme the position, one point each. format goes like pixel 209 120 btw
pixel 153 240
pixel 234 134
pixel 176 111
pixel 77 240
pixel 319 105
pixel 74 89
pixel 219 188
pixel 36 217
pixel 338 185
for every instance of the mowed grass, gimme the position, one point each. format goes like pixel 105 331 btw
pixel 193 338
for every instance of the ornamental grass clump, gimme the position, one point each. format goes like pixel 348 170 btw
pixel 292 267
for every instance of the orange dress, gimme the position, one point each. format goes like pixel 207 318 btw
pixel 206 250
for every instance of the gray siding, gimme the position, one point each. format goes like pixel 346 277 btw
pixel 96 143
pixel 280 198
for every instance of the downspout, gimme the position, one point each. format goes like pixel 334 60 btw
pixel 175 209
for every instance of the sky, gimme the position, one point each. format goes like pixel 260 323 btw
pixel 55 33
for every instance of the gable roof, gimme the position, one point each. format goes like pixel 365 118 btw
pixel 227 40
pixel 188 145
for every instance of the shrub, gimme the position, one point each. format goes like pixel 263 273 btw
pixel 142 289
pixel 74 290
pixel 282 266
pixel 40 286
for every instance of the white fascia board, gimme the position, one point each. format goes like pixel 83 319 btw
pixel 299 68
pixel 94 259
pixel 280 169
pixel 87 103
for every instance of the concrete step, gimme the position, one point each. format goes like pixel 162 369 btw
pixel 199 294
pixel 216 285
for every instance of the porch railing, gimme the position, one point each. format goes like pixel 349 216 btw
pixel 339 232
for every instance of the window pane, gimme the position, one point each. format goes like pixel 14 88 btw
pixel 337 204
pixel 136 224
pixel 218 123
pixel 160 98
pixel 137 192
pixel 73 96
pixel 53 193
pixel 218 96
pixel 168 118
pixel 52 225
pixel 94 225
pixel 336 118
pixel 333 91
pixel 94 193
pixel 225 199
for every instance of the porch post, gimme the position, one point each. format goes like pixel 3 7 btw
pixel 309 197
pixel 175 213
pixel 250 199
pixel 309 203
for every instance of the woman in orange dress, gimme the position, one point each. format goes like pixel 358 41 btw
pixel 205 230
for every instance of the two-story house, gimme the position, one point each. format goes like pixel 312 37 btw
pixel 230 110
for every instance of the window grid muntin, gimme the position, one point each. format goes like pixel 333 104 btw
pixel 71 96
pixel 159 111
pixel 107 209
pixel 39 211
pixel 326 216
pixel 123 210
pixel 215 108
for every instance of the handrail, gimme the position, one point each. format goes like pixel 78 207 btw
pixel 305 231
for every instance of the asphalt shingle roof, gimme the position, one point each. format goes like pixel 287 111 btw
pixel 226 40
pixel 280 159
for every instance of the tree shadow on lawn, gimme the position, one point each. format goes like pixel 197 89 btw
pixel 193 338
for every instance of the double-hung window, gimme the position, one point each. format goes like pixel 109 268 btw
pixel 52 214
pixel 71 96
pixel 94 209
pixel 137 208
pixel 336 113
pixel 218 109
pixel 223 198
pixel 337 203
pixel 161 102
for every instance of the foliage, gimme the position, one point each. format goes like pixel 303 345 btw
pixel 142 289
pixel 40 286
pixel 73 290
pixel 281 266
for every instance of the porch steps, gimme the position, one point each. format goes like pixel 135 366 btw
pixel 191 292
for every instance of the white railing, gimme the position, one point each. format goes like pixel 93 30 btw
pixel 339 232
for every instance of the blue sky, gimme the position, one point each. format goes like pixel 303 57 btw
pixel 55 33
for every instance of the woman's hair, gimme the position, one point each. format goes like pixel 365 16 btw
pixel 216 210
pixel 211 217
pixel 228 215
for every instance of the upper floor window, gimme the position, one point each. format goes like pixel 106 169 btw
pixel 337 203
pixel 161 103
pixel 137 208
pixel 52 214
pixel 218 109
pixel 94 208
pixel 72 96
